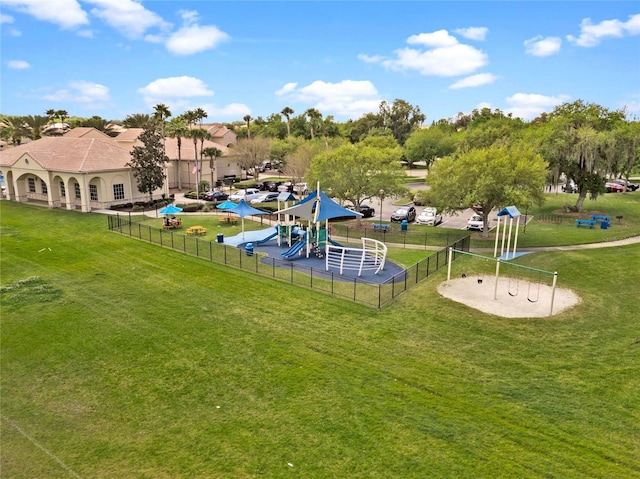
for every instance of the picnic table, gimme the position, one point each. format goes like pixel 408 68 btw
pixel 228 220
pixel 172 225
pixel 385 227
pixel 196 230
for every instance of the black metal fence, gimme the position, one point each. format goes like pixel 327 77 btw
pixel 372 294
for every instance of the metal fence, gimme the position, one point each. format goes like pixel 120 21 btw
pixel 372 294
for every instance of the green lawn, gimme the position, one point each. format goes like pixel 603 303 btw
pixel 124 359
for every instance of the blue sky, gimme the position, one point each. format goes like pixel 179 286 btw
pixel 113 58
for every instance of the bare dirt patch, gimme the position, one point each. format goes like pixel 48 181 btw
pixel 527 299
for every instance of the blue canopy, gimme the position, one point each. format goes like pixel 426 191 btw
pixel 511 211
pixel 170 210
pixel 243 209
pixel 318 207
pixel 225 205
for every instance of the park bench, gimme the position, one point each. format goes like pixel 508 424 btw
pixel 597 218
pixel 585 223
pixel 384 227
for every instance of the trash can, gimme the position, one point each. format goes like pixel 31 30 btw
pixel 249 249
pixel 220 238
pixel 403 225
pixel 604 225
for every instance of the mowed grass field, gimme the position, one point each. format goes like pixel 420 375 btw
pixel 121 359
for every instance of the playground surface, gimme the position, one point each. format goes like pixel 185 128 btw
pixel 480 296
pixel 265 242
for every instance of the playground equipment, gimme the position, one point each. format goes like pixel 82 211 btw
pixel 511 212
pixel 513 281
pixel 371 257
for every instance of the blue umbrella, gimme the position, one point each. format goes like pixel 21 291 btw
pixel 170 210
pixel 225 205
pixel 242 209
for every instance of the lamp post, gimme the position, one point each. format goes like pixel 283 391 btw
pixel 381 198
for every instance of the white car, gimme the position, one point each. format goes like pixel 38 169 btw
pixel 265 198
pixel 429 216
pixel 475 223
pixel 246 195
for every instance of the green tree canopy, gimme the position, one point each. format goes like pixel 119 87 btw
pixel 427 144
pixel 358 172
pixel 148 161
pixel 492 177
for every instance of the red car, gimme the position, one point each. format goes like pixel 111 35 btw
pixel 613 187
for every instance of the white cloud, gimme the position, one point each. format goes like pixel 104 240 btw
pixel 444 56
pixel 542 47
pixel 4 18
pixel 90 95
pixel 194 39
pixel 288 88
pixel 530 105
pixel 348 98
pixel 473 33
pixel 232 111
pixel 474 81
pixel 66 14
pixel 174 91
pixel 127 16
pixel 441 38
pixel 590 34
pixel 18 64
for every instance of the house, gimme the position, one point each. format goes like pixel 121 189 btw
pixel 86 169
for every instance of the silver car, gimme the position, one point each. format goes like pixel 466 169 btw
pixel 429 216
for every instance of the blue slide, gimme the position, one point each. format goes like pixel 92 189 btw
pixel 334 243
pixel 271 236
pixel 291 252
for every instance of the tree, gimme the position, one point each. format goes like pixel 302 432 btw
pixel 35 124
pixel 355 173
pixel 574 145
pixel 251 154
pixel 298 160
pixel 287 112
pixel 247 119
pixel 162 113
pixel 401 118
pixel 427 144
pixel 137 120
pixel 213 154
pixel 148 161
pixel 178 128
pixel 314 120
pixel 12 129
pixel 198 134
pixel 492 177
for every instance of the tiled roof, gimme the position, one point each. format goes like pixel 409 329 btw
pixel 83 131
pixel 70 154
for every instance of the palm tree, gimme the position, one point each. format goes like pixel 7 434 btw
pixel 178 128
pixel 35 124
pixel 314 115
pixel 12 129
pixel 212 153
pixel 200 115
pixel 197 134
pixel 247 119
pixel 137 120
pixel 287 112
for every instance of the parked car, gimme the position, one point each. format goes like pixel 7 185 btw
pixel 266 165
pixel 247 195
pixel 475 223
pixel 630 186
pixel 611 187
pixel 366 210
pixel 429 216
pixel 407 213
pixel 285 187
pixel 570 187
pixel 301 189
pixel 265 198
pixel 215 196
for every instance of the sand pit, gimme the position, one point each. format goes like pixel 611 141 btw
pixel 480 297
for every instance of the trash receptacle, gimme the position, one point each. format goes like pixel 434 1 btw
pixel 220 238
pixel 249 249
pixel 403 225
pixel 604 225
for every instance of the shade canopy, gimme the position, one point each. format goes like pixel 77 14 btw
pixel 243 209
pixel 318 207
pixel 510 211
pixel 170 210
pixel 225 205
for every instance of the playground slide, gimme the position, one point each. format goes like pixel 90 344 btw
pixel 334 243
pixel 291 252
pixel 272 233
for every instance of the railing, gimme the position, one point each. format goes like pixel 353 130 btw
pixel 358 290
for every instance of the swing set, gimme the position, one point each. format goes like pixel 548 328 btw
pixel 513 283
